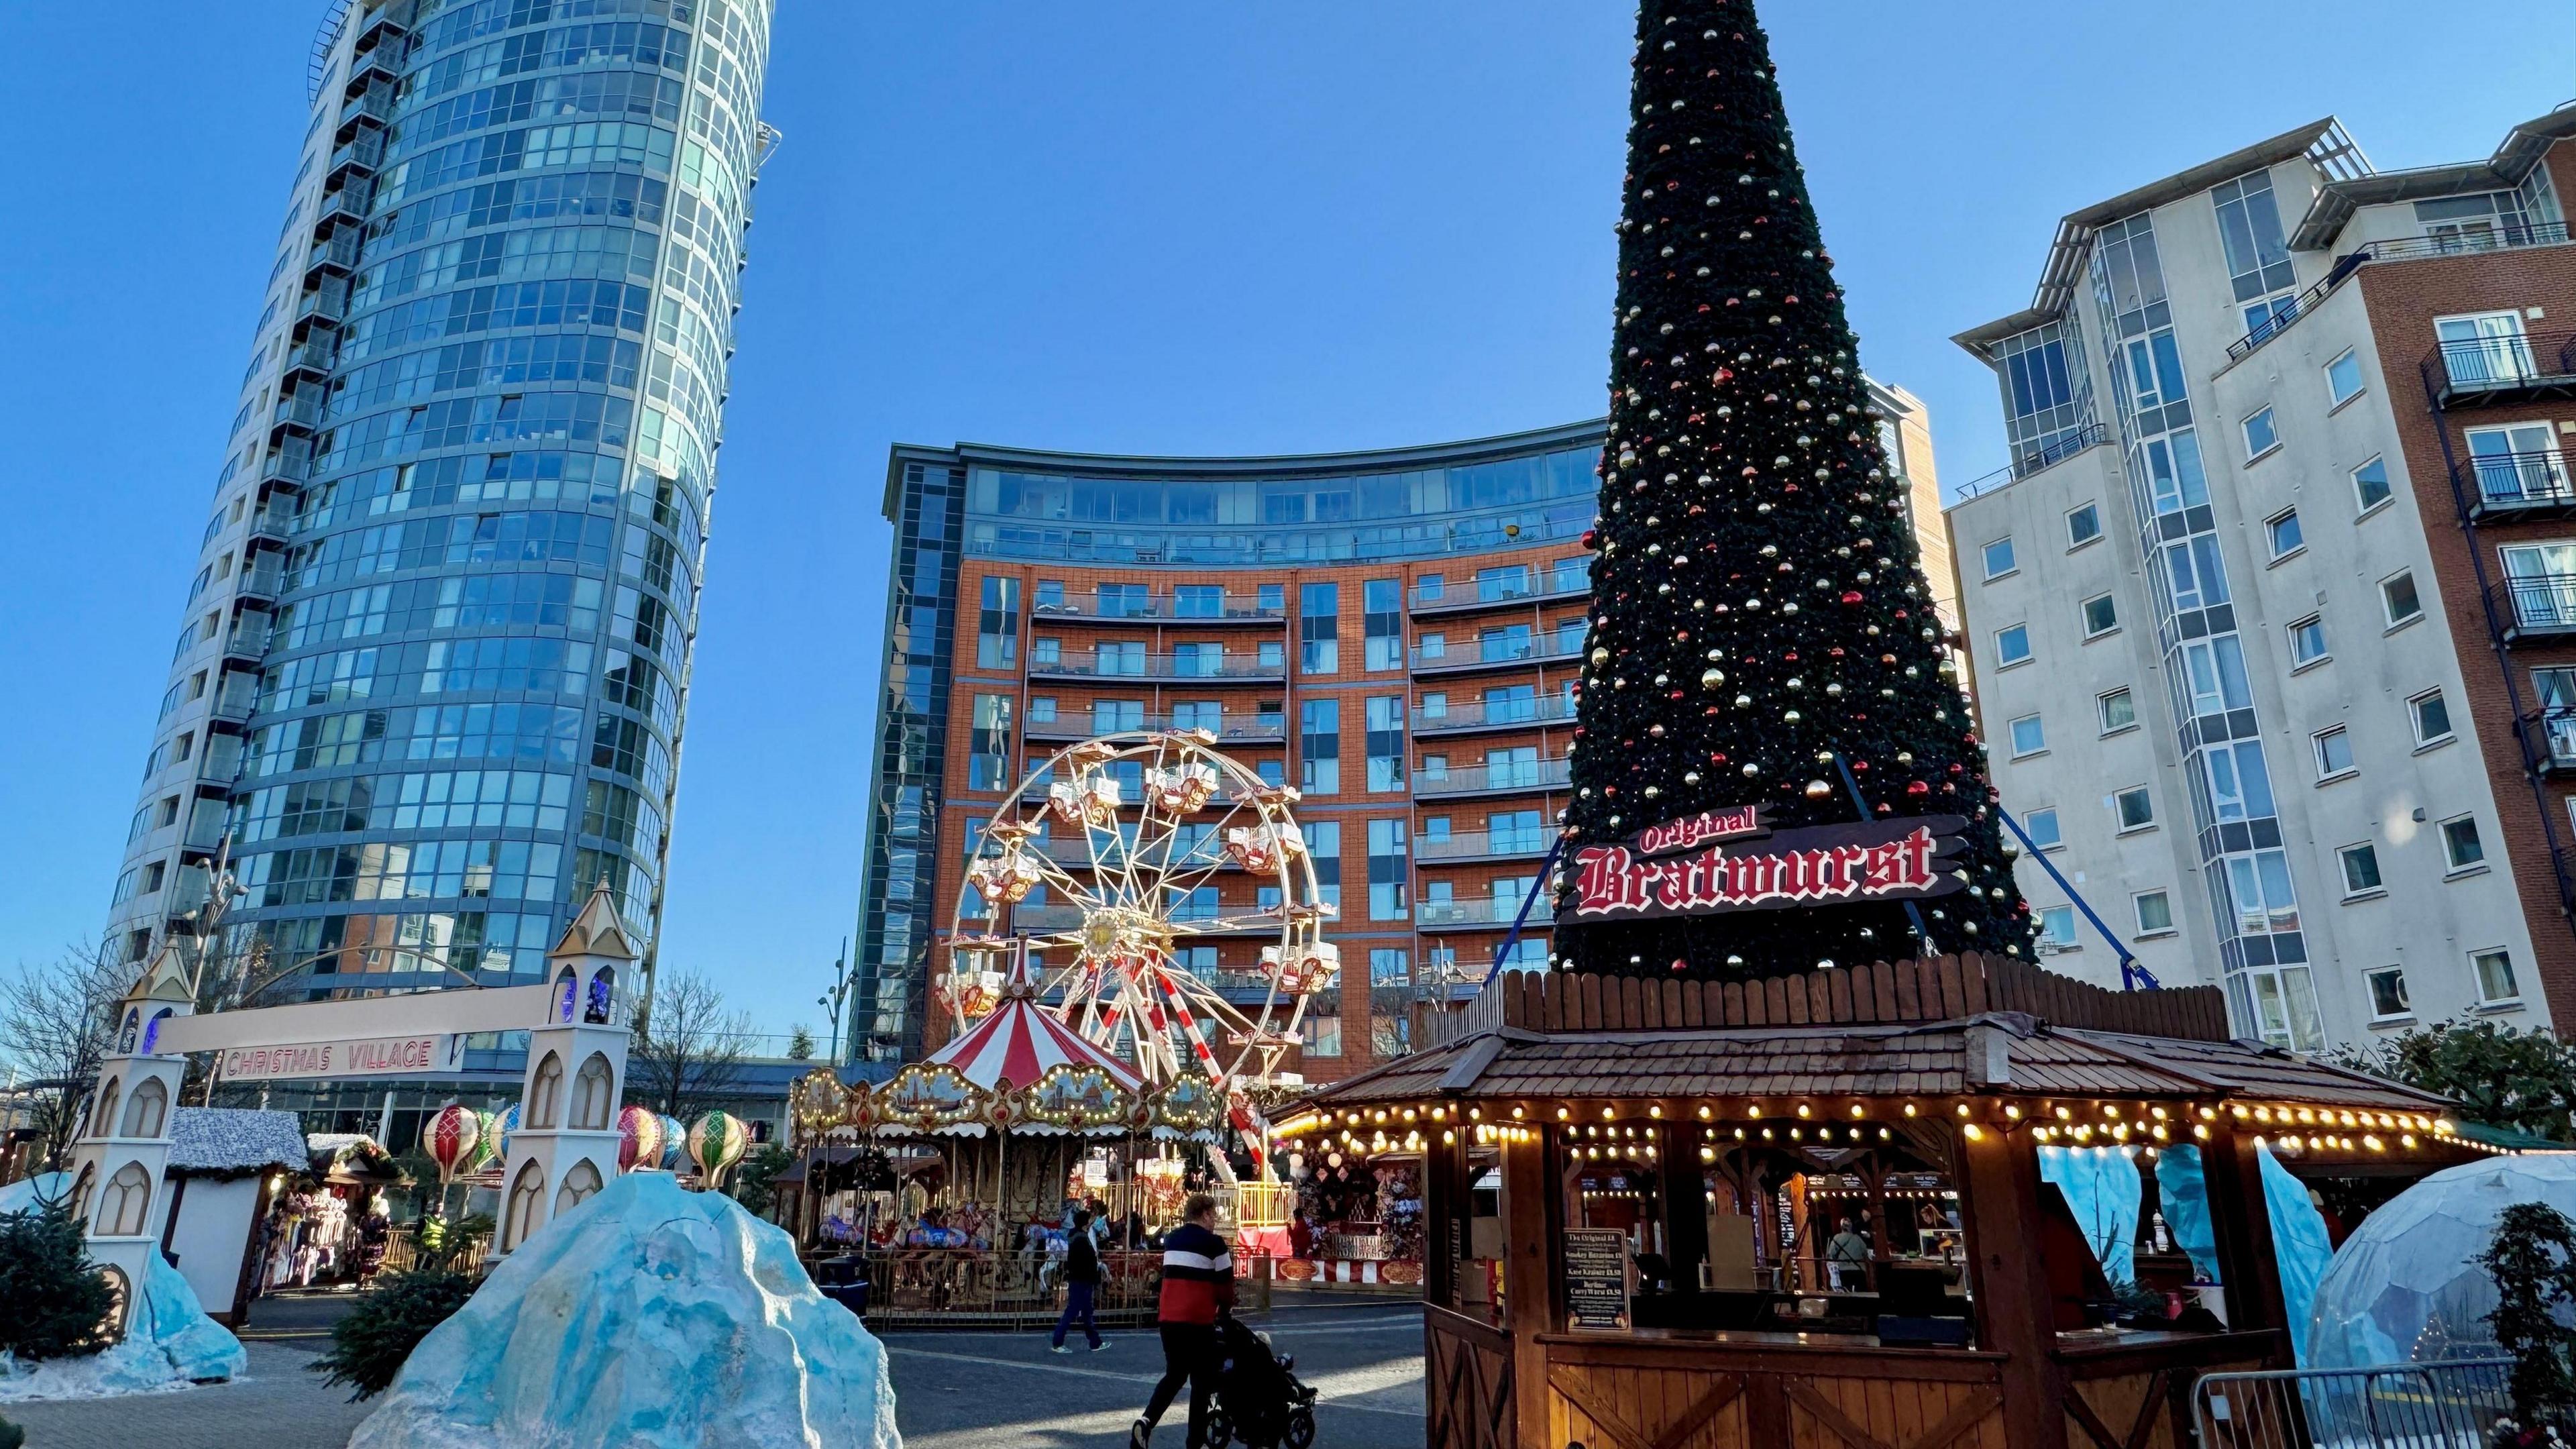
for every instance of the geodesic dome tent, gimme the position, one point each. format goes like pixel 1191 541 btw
pixel 2406 1286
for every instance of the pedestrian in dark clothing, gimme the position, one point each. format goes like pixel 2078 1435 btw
pixel 1081 1284
pixel 1198 1284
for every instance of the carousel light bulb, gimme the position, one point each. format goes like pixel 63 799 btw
pixel 1703 1112
pixel 1516 1112
pixel 1753 1113
pixel 1802 1109
pixel 1855 1109
pixel 1561 1113
pixel 2012 1111
pixel 1654 1111
pixel 1909 1109
pixel 1973 1132
pixel 1963 1109
pixel 2200 1131
pixel 2406 1139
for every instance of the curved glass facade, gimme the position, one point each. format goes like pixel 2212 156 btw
pixel 466 507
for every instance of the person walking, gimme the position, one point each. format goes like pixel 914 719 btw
pixel 1081 1284
pixel 1198 1284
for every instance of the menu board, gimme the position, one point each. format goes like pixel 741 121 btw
pixel 1596 1278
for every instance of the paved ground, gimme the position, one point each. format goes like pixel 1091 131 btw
pixel 952 1390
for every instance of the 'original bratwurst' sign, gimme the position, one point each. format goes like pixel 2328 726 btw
pixel 1727 860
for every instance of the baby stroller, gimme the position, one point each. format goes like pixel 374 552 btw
pixel 1260 1403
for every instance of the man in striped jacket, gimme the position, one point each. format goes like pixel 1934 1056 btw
pixel 1198 1284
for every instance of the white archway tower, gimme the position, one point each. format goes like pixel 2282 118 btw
pixel 121 1159
pixel 565 1147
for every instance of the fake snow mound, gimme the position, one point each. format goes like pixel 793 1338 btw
pixel 2406 1286
pixel 646 1318
pixel 173 1343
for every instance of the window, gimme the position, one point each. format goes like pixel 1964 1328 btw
pixel 1386 874
pixel 2029 737
pixel 2519 464
pixel 1510 831
pixel 1273 656
pixel 2343 377
pixel 2260 436
pixel 1198 601
pixel 2155 912
pixel 1110 716
pixel 1430 588
pixel 1387 966
pixel 2307 641
pixel 2432 716
pixel 1123 659
pixel 1198 660
pixel 1323 1035
pixel 2486 349
pixel 2041 826
pixel 1042 709
pixel 997 623
pixel 1319 628
pixel 2119 711
pixel 2387 992
pixel 1121 601
pixel 1510 581
pixel 2334 753
pixel 2249 232
pixel 2057 928
pixel 2360 870
pixel 1046 653
pixel 2012 646
pixel 2461 848
pixel 2397 598
pixel 1435 706
pixel 2370 484
pixel 1385 744
pixel 988 761
pixel 2281 531
pixel 1324 849
pixel 2136 808
pixel 1382 622
pixel 2083 525
pixel 1999 557
pixel 1319 742
pixel 2494 969
pixel 2101 616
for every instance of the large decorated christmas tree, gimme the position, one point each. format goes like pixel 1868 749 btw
pixel 1762 635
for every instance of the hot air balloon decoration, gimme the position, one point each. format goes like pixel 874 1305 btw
pixel 716 1142
pixel 454 1136
pixel 675 1143
pixel 639 1138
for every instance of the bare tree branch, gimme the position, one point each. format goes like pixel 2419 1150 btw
pixel 688 1046
pixel 56 1023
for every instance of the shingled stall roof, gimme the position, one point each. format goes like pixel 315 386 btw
pixel 234 1142
pixel 1989 1054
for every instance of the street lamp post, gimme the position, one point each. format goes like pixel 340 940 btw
pixel 833 1000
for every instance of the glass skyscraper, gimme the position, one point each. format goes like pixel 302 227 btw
pixel 431 678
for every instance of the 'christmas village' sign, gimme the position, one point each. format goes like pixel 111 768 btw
pixel 1729 860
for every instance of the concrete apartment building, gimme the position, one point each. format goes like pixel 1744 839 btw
pixel 1395 633
pixel 2273 615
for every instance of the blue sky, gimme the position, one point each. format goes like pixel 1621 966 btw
pixel 1150 225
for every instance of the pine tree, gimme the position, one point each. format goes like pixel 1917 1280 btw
pixel 1758 599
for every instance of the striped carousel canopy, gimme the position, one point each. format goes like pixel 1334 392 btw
pixel 1019 1042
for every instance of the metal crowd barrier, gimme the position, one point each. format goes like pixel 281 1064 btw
pixel 2449 1405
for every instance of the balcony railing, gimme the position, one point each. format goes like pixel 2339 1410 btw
pixel 1230 729
pixel 314 356
pixel 2538 604
pixel 1160 666
pixel 248 640
pixel 326 304
pixel 1162 608
pixel 1496 653
pixel 1487 593
pixel 1492 779
pixel 2502 369
pixel 1473 914
pixel 1478 714
pixel 376 106
pixel 2517 482
pixel 2032 460
pixel 343 208
pixel 288 463
pixel 2511 236
pixel 1481 845
pixel 301 411
pixel 360 156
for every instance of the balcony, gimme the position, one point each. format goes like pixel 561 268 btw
pixel 356 161
pixel 384 29
pixel 1472 656
pixel 1240 920
pixel 343 209
pixel 1220 668
pixel 1468 846
pixel 2492 371
pixel 1517 777
pixel 1470 595
pixel 326 304
pixel 1467 716
pixel 298 414
pixel 247 641
pixel 2549 739
pixel 288 464
pixel 379 67
pixel 236 698
pixel 2504 487
pixel 2535 606
pixel 309 362
pixel 1230 729
pixel 261 583
pixel 2033 460
pixel 1493 913
pixel 1191 610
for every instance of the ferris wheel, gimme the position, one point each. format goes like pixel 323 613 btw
pixel 1111 861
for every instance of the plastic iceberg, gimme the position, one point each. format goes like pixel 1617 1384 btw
pixel 2406 1286
pixel 646 1318
pixel 172 1343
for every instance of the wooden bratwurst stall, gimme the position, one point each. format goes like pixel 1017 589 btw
pixel 1848 1209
